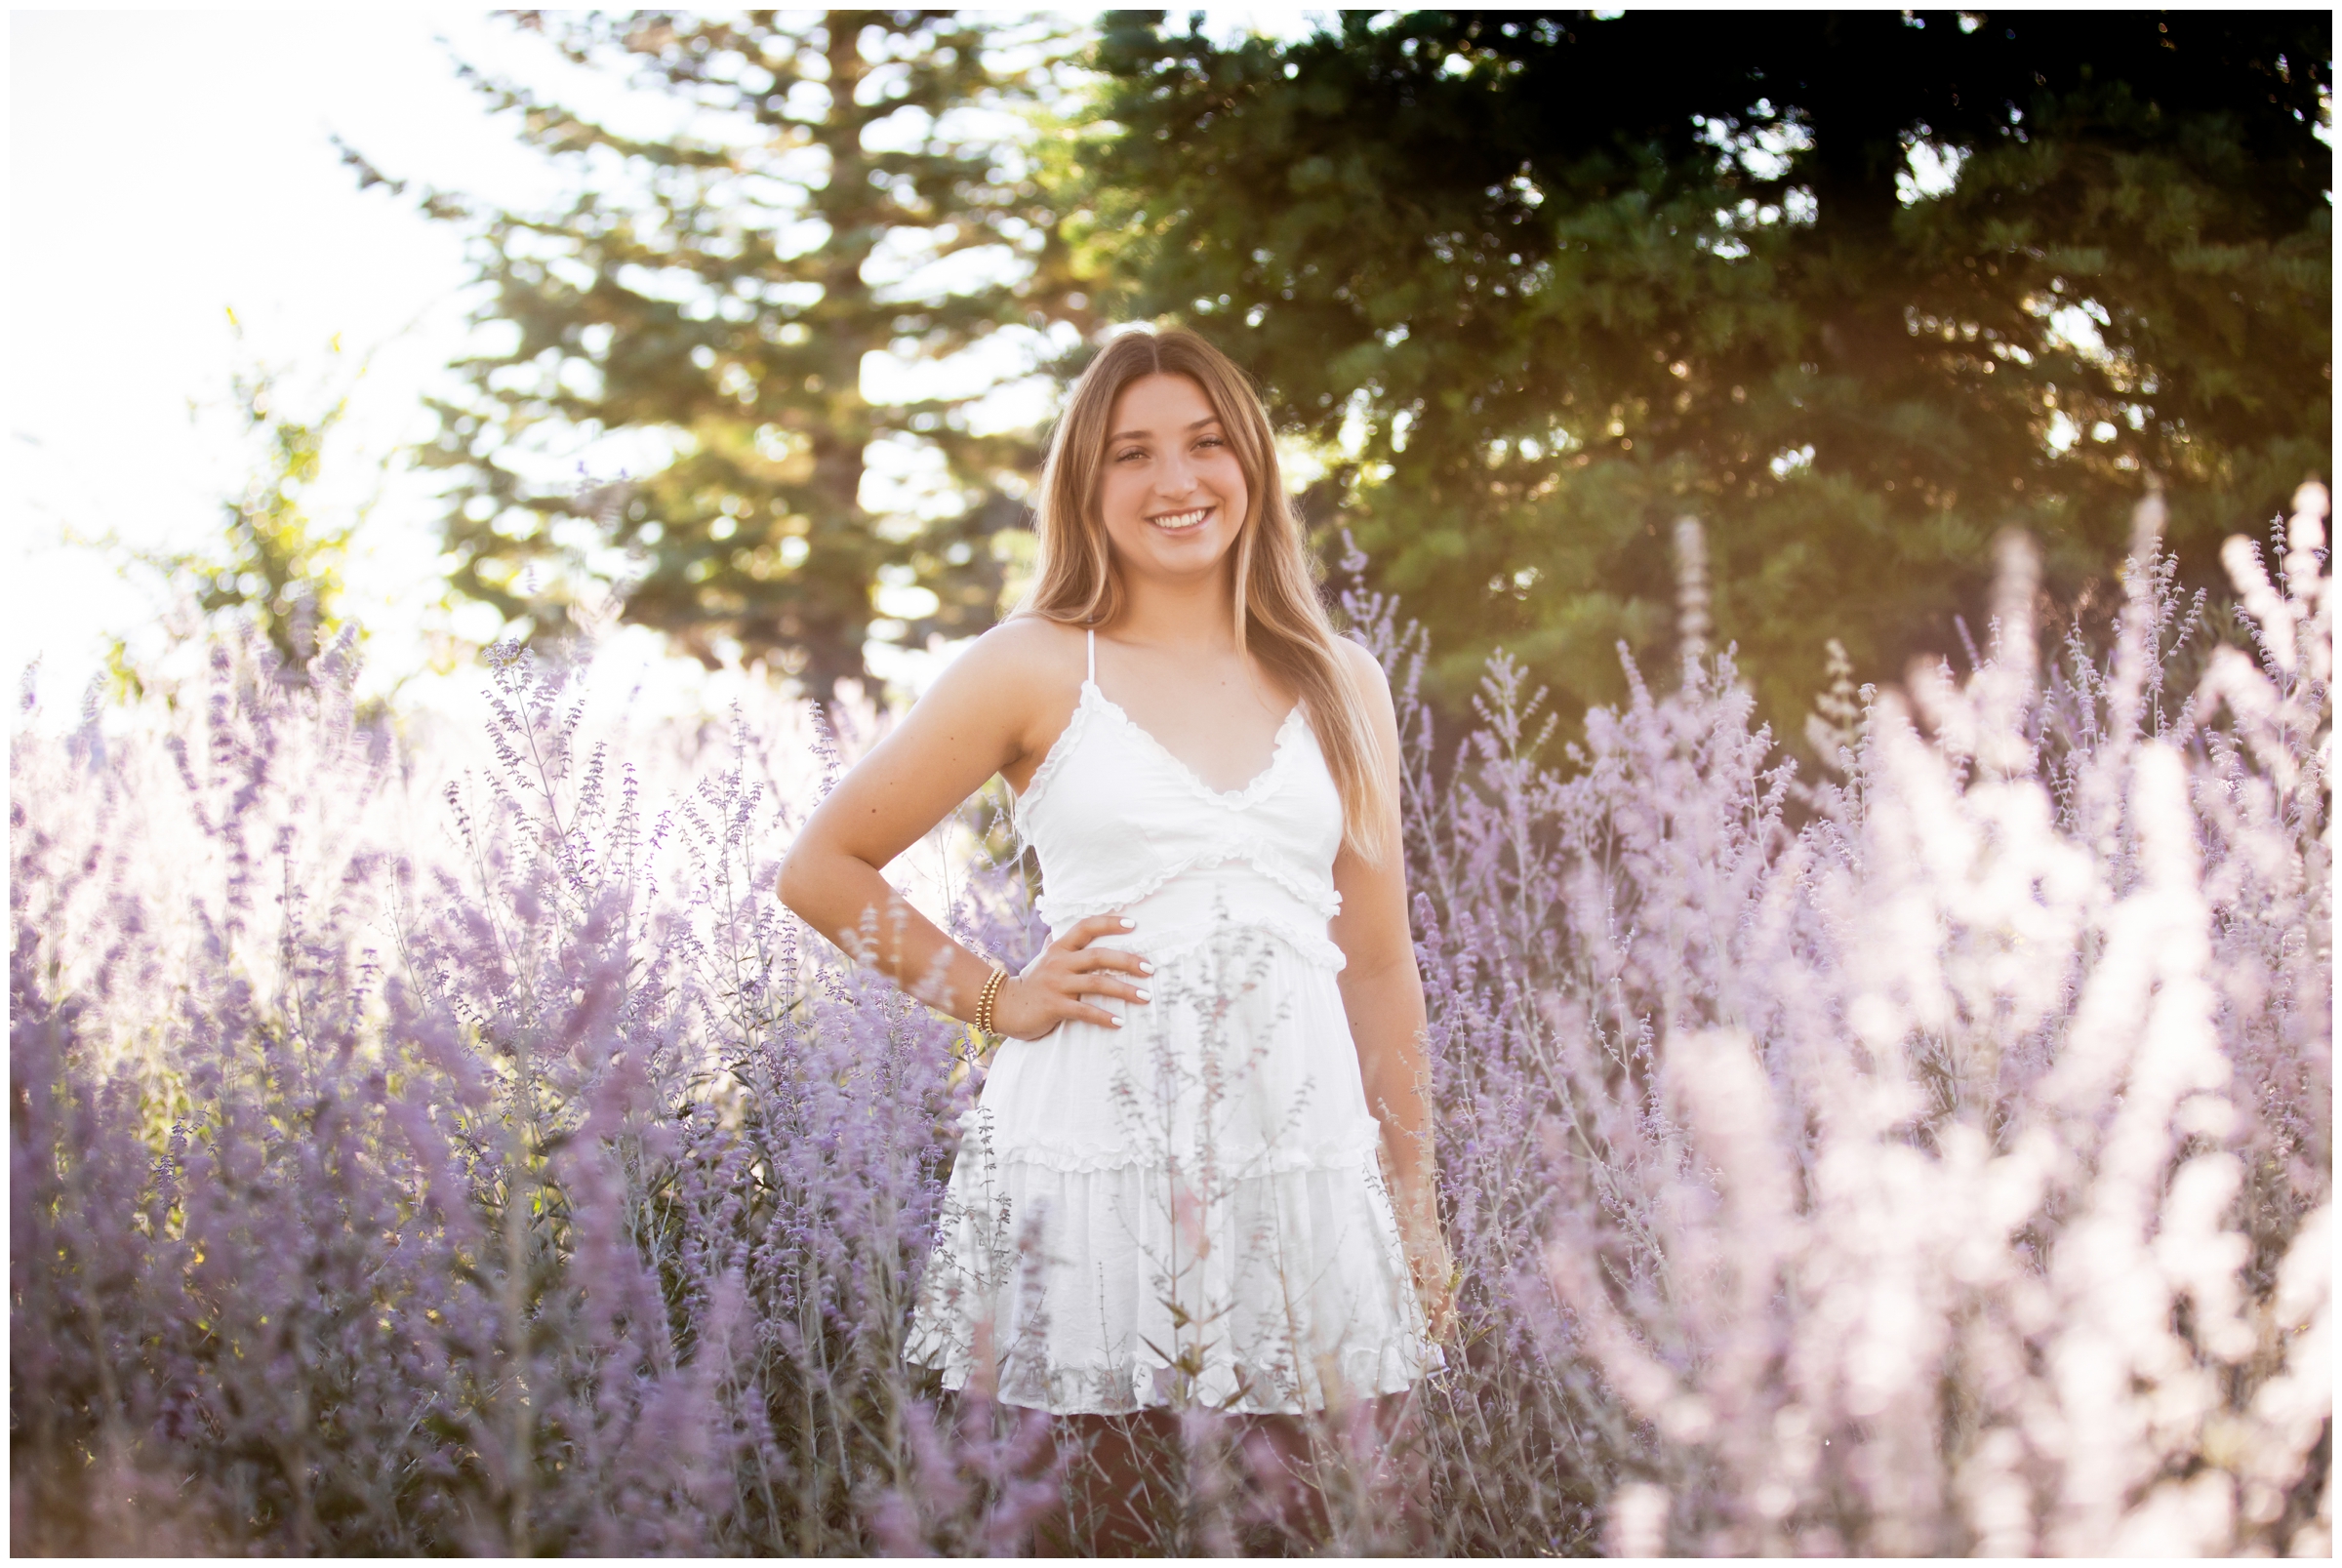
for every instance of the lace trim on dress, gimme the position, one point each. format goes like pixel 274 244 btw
pixel 1177 941
pixel 1093 700
pixel 1233 799
pixel 1053 760
pixel 1254 851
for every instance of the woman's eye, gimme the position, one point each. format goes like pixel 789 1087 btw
pixel 1129 452
pixel 1211 441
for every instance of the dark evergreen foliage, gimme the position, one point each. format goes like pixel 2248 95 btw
pixel 1567 278
pixel 719 289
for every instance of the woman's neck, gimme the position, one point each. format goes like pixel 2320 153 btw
pixel 1197 615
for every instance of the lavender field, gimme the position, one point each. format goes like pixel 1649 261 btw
pixel 1930 1154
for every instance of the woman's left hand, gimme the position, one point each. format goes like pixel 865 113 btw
pixel 1433 1271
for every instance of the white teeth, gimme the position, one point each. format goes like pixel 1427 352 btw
pixel 1175 521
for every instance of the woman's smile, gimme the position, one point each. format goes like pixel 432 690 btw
pixel 1170 477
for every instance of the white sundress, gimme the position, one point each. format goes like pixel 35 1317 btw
pixel 1187 1210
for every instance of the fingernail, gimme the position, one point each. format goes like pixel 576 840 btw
pixel 1130 925
pixel 1144 998
pixel 1116 1022
pixel 1146 968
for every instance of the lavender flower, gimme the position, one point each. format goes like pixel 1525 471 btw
pixel 419 1149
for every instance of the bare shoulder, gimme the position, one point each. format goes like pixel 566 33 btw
pixel 1365 672
pixel 1023 676
pixel 1026 650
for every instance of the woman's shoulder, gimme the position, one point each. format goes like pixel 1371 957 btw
pixel 1026 647
pixel 1023 657
pixel 1364 671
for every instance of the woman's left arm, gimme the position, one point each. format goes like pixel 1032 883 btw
pixel 1381 992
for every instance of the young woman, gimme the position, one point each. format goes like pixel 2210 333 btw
pixel 1201 1170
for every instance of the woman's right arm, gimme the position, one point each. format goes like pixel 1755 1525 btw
pixel 979 718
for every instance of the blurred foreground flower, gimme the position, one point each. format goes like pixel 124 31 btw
pixel 1930 1157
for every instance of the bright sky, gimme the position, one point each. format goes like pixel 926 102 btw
pixel 164 169
pixel 166 166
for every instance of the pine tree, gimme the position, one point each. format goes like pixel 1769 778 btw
pixel 1860 289
pixel 837 186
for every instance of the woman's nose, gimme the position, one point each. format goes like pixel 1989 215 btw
pixel 1175 478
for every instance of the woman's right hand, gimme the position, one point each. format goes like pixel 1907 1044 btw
pixel 1050 992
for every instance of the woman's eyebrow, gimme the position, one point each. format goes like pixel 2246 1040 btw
pixel 1141 435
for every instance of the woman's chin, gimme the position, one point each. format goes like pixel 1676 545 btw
pixel 1182 555
pixel 1188 556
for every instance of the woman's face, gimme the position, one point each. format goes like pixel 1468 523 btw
pixel 1171 491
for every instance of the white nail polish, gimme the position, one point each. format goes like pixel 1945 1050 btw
pixel 1143 996
pixel 1130 925
pixel 1116 1022
pixel 1146 968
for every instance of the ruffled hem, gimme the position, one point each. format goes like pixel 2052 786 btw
pixel 1117 1290
pixel 1361 1372
pixel 1071 1159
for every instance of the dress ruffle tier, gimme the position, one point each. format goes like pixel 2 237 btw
pixel 1187 1210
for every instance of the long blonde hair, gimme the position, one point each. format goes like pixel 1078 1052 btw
pixel 1280 619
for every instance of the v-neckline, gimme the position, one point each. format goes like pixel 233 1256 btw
pixel 1240 795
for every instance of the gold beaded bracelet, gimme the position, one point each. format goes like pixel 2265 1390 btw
pixel 984 1002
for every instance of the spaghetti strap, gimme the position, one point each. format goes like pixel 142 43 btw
pixel 1243 1066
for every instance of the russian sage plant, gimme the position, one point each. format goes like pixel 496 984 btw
pixel 1947 1173
pixel 420 1151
